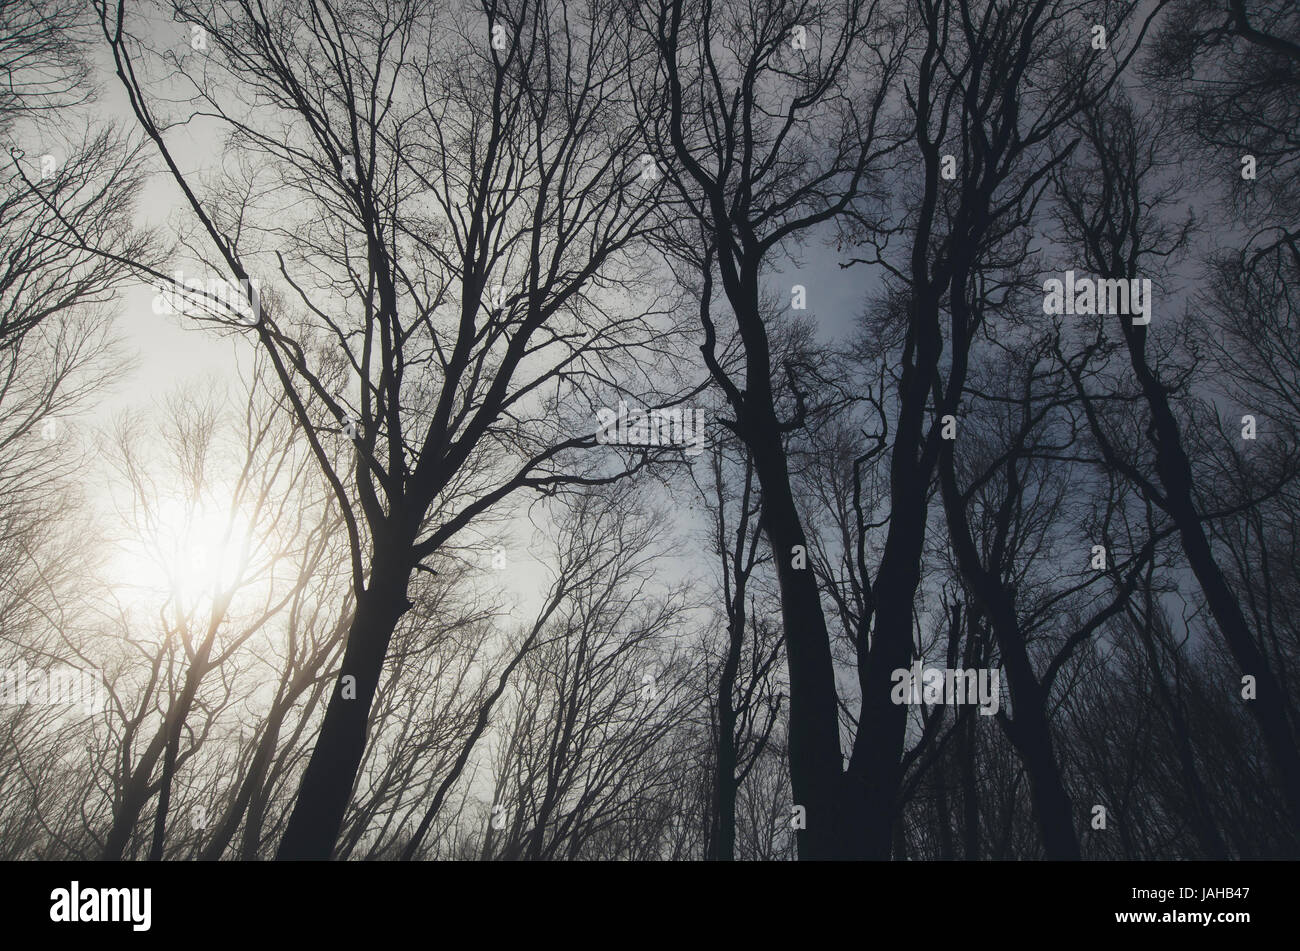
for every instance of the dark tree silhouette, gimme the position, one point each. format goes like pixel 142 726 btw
pixel 468 213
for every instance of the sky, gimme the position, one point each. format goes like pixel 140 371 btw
pixel 171 351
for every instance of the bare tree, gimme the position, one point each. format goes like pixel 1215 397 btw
pixel 1115 223
pixel 989 89
pixel 467 213
pixel 1229 75
pixel 749 88
pixel 745 692
pixel 221 516
pixel 586 760
pixel 43 53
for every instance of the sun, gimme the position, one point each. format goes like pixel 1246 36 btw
pixel 186 549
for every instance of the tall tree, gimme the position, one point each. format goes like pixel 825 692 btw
pixel 1112 213
pixel 773 128
pixel 460 211
pixel 989 89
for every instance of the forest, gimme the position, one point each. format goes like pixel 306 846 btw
pixel 687 430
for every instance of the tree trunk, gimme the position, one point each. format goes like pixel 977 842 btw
pixel 816 762
pixel 164 794
pixel 257 771
pixel 1202 820
pixel 875 770
pixel 723 844
pixel 815 758
pixel 327 782
pixel 133 802
pixel 1031 735
pixel 969 791
pixel 137 793
pixel 1175 471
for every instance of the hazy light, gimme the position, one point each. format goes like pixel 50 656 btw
pixel 185 549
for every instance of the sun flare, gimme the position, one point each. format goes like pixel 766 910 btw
pixel 185 549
